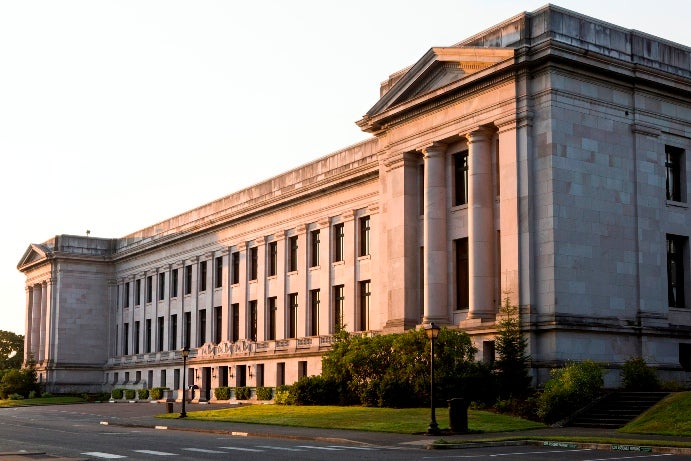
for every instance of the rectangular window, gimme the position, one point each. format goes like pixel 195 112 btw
pixel 260 375
pixel 173 332
pixel 460 168
pixel 364 235
pixel 271 316
pixel 253 263
pixel 235 316
pixel 280 373
pixel 202 276
pixel 174 284
pixel 677 254
pixel 163 378
pixel 674 168
pixel 365 298
pixel 236 268
pixel 292 315
pixel 273 258
pixel 314 248
pixel 252 316
pixel 147 336
pixel 149 287
pixel 218 275
pixel 126 339
pixel 339 242
pixel 339 307
pixel 137 332
pixel 137 292
pixel 202 327
pixel 302 369
pixel 188 279
pixel 462 274
pixel 176 378
pixel 293 253
pixel 314 313
pixel 127 295
pixel 218 324
pixel 188 330
pixel 161 287
pixel 160 327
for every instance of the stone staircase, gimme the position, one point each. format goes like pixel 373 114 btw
pixel 617 409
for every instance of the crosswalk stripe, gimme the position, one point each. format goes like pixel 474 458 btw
pixel 242 449
pixel 320 448
pixel 156 453
pixel 203 450
pixel 268 447
pixel 99 454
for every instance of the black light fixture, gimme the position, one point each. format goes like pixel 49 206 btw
pixel 432 332
pixel 185 353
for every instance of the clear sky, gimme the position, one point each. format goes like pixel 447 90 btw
pixel 115 115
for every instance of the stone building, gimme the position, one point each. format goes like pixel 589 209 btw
pixel 544 159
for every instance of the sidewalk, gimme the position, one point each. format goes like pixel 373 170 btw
pixel 143 415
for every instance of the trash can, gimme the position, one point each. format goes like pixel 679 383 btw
pixel 169 407
pixel 458 415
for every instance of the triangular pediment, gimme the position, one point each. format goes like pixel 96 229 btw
pixel 32 255
pixel 439 67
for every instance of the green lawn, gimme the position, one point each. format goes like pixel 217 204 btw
pixel 40 401
pixel 403 421
pixel 672 416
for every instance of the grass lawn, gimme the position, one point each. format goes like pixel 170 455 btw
pixel 672 416
pixel 40 401
pixel 403 421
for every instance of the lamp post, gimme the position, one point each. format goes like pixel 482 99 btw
pixel 185 352
pixel 432 332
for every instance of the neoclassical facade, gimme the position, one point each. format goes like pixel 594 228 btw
pixel 544 160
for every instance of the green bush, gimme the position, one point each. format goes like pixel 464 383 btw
pixel 33 395
pixel 47 395
pixel 20 382
pixel 569 389
pixel 117 393
pixel 243 393
pixel 16 397
pixel 314 390
pixel 156 393
pixel 282 396
pixel 222 393
pixel 636 375
pixel 264 393
pixel 143 394
pixel 129 394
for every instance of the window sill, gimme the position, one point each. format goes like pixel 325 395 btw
pixel 459 207
pixel 672 203
pixel 292 273
pixel 364 257
pixel 315 268
pixel 338 263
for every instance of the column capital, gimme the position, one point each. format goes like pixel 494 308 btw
pixel 301 229
pixel 260 240
pixel 242 246
pixel 435 149
pixel 324 223
pixel 480 134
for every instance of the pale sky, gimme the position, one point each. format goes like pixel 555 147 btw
pixel 115 115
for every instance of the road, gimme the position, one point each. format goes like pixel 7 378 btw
pixel 76 431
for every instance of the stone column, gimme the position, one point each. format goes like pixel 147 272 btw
pixel 36 322
pixel 435 265
pixel 28 324
pixel 480 226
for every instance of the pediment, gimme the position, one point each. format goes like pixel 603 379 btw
pixel 33 254
pixel 439 67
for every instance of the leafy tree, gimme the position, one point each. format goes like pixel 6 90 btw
pixel 636 375
pixel 569 388
pixel 512 362
pixel 11 350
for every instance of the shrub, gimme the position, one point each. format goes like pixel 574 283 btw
pixel 33 395
pixel 313 390
pixel 242 393
pixel 143 394
pixel 15 396
pixel 117 393
pixel 20 382
pixel 282 396
pixel 156 393
pixel 47 395
pixel 569 389
pixel 636 375
pixel 222 393
pixel 264 393
pixel 129 394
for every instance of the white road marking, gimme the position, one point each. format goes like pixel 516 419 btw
pixel 203 450
pixel 268 447
pixel 320 448
pixel 156 453
pixel 98 454
pixel 242 449
pixel 353 448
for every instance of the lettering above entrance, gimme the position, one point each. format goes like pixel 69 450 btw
pixel 226 348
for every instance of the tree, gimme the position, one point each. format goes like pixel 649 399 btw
pixel 11 350
pixel 512 363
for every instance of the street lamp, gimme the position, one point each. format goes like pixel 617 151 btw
pixel 432 332
pixel 185 352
